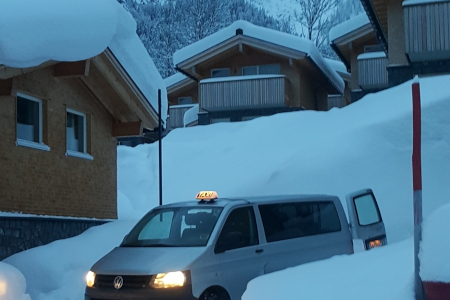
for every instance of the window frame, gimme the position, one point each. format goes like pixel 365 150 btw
pixel 84 154
pixel 183 98
pixel 286 233
pixel 253 225
pixel 220 69
pixel 40 145
pixel 258 69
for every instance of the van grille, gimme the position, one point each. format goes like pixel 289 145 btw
pixel 129 282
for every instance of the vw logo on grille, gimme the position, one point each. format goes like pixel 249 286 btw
pixel 118 282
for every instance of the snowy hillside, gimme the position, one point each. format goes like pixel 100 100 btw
pixel 366 144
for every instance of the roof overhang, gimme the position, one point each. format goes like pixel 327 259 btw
pixel 133 106
pixel 185 82
pixel 129 91
pixel 376 11
pixel 9 72
pixel 236 42
pixel 341 44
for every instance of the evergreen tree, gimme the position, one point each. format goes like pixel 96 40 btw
pixel 164 26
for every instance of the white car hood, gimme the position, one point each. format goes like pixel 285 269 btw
pixel 147 260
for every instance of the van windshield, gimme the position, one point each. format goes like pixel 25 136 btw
pixel 174 227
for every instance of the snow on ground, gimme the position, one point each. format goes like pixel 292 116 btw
pixel 366 144
pixel 57 270
pixel 364 275
pixel 435 249
pixel 12 283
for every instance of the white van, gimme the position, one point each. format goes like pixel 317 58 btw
pixel 211 248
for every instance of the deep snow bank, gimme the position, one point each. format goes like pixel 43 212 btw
pixel 12 283
pixel 366 144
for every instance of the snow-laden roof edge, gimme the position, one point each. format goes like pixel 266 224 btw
pixel 338 66
pixel 174 79
pixel 421 2
pixel 74 30
pixel 348 26
pixel 378 54
pixel 265 34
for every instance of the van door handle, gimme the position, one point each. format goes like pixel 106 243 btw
pixel 259 250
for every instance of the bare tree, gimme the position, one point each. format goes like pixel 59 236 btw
pixel 316 18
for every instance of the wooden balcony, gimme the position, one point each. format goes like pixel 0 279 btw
pixel 372 72
pixel 176 115
pixel 427 30
pixel 336 101
pixel 241 92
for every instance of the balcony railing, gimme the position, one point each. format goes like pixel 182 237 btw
pixel 427 30
pixel 240 92
pixel 176 115
pixel 372 72
pixel 336 101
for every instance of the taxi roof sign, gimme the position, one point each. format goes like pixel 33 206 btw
pixel 207 195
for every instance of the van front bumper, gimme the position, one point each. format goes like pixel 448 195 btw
pixel 183 293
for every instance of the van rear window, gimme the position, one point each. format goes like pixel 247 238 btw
pixel 298 219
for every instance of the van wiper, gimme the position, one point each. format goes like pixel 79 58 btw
pixel 160 245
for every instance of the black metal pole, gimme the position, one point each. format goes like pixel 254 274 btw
pixel 160 147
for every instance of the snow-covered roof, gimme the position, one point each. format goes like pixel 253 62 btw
pixel 418 2
pixel 174 79
pixel 348 26
pixel 378 54
pixel 264 34
pixel 33 32
pixel 338 65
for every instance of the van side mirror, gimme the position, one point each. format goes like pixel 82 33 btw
pixel 229 241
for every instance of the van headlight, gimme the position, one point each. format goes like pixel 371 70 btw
pixel 90 279
pixel 168 280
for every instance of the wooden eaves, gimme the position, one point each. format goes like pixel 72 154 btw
pixel 236 43
pixel 107 80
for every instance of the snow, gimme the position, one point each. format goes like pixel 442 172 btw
pixel 366 144
pixel 72 30
pixel 348 26
pixel 423 2
pixel 174 79
pixel 338 65
pixel 237 78
pixel 369 55
pixel 265 34
pixel 340 277
pixel 12 283
pixel 191 115
pixel 435 248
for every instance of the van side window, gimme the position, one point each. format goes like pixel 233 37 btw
pixel 297 219
pixel 238 231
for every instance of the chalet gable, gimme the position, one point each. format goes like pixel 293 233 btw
pixel 244 37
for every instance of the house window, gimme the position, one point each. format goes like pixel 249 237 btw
pixel 76 134
pixel 261 70
pixel 184 100
pixel 220 73
pixel 29 122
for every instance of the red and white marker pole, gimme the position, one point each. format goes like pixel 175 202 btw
pixel 417 185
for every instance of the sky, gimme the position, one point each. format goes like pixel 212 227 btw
pixel 364 145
